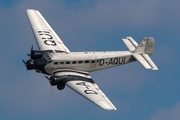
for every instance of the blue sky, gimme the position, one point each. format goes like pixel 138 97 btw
pixel 96 25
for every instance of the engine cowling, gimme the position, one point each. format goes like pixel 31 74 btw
pixel 36 54
pixel 56 80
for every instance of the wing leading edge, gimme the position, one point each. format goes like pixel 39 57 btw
pixel 46 37
pixel 85 86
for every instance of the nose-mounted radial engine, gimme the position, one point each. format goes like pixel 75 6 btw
pixel 37 61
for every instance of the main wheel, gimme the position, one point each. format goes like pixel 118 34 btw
pixel 60 86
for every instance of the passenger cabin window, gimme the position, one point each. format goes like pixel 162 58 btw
pixel 93 61
pixel 74 62
pixel 68 62
pixel 61 62
pixel 55 63
pixel 80 62
pixel 87 61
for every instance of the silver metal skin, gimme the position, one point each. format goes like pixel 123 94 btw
pixel 72 68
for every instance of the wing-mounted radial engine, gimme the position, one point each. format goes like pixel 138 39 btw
pixel 34 54
pixel 37 61
pixel 56 80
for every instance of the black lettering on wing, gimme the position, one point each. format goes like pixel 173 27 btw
pixel 47 40
pixel 50 42
pixel 90 92
pixel 50 37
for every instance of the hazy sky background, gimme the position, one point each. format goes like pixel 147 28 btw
pixel 92 25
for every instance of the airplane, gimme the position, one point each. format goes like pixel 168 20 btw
pixel 72 69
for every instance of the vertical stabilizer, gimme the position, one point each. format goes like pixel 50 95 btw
pixel 146 46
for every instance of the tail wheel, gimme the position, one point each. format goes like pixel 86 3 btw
pixel 60 87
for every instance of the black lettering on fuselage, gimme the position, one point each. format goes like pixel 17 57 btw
pixel 110 62
pixel 120 60
pixel 101 62
pixel 113 61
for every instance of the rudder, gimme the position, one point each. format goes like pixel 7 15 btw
pixel 146 46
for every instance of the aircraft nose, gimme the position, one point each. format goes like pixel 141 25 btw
pixel 29 64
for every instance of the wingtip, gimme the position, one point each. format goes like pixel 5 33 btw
pixel 31 9
pixel 154 68
pixel 108 109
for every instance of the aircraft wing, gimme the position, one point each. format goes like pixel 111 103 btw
pixel 46 38
pixel 85 86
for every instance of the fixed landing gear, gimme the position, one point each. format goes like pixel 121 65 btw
pixel 60 86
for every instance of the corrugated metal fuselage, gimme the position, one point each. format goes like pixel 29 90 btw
pixel 87 61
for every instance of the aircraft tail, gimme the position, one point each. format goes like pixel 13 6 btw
pixel 142 51
pixel 146 46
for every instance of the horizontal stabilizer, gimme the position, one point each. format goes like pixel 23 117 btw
pixel 133 41
pixel 128 44
pixel 145 61
pixel 154 67
pixel 142 61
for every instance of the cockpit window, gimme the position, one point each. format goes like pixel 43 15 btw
pixel 46 58
pixel 55 63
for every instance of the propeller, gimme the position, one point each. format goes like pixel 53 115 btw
pixel 29 64
pixel 30 52
pixel 26 64
pixel 50 82
pixel 28 61
pixel 48 78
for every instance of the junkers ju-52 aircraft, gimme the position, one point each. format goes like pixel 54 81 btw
pixel 72 68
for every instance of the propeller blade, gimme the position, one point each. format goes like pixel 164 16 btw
pixel 31 48
pixel 51 89
pixel 49 81
pixel 26 67
pixel 27 72
pixel 24 62
pixel 28 61
pixel 47 78
pixel 31 51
